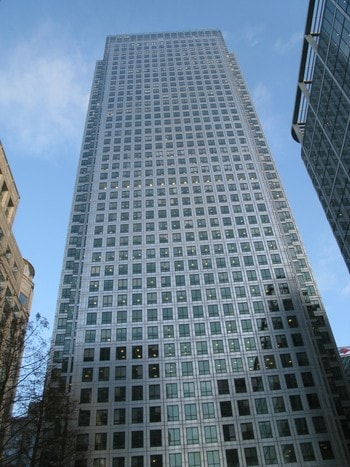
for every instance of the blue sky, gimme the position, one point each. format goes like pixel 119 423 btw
pixel 48 51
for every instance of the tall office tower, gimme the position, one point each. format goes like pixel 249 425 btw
pixel 188 326
pixel 16 291
pixel 321 121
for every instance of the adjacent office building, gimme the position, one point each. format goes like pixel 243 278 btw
pixel 188 326
pixel 321 121
pixel 344 353
pixel 16 292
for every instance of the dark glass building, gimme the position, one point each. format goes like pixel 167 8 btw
pixel 321 121
pixel 188 325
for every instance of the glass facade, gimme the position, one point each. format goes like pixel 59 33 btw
pixel 188 325
pixel 322 114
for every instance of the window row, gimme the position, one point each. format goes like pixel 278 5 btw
pixel 201 367
pixel 198 329
pixel 285 453
pixel 185 349
pixel 241 385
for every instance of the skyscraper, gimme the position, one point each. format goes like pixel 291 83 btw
pixel 188 326
pixel 321 121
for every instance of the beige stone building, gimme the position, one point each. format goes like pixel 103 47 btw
pixel 16 291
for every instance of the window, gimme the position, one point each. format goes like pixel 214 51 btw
pixel 155 438
pixel 185 348
pixel 153 371
pixel 100 441
pixel 288 453
pixel 313 401
pixel 206 388
pixel 155 414
pixel 175 460
pixel 137 415
pixel 120 372
pixel 240 385
pixel 103 373
pixel 91 318
pixel 84 418
pixel 85 396
pixel 172 413
pixel 243 407
pixel 274 383
pixel 89 355
pixel 120 394
pixel 210 434
pixel 169 350
pixel 308 380
pixel 261 406
pixel 106 317
pixel 174 436
pixel 257 384
pixel 194 459
pixel 215 328
pixel 270 455
pixel 301 426
pixel 229 432
pixel 295 402
pixel 247 431
pixel 188 390
pixel 220 366
pixel 232 458
pixel 237 364
pixel 208 410
pixel 171 390
pixel 119 416
pixel 278 404
pixel 199 329
pixel 192 435
pixel 106 335
pixel 226 409
pixel 170 370
pixel 137 371
pixel 213 459
pixel 137 461
pixel 265 429
pixel 246 325
pixel 156 460
pixel 269 361
pixel 203 367
pixel 283 427
pixel 90 337
pixel 102 394
pixel 190 412
pixel 184 330
pixel 187 368
pixel 137 439
pixel 87 374
pixel 154 391
pixel 307 451
pixel 286 360
pixel 120 353
pixel 251 456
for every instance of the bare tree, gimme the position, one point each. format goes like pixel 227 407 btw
pixel 39 432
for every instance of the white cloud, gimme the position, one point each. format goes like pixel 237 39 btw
pixel 346 290
pixel 261 95
pixel 282 47
pixel 252 35
pixel 329 267
pixel 43 92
